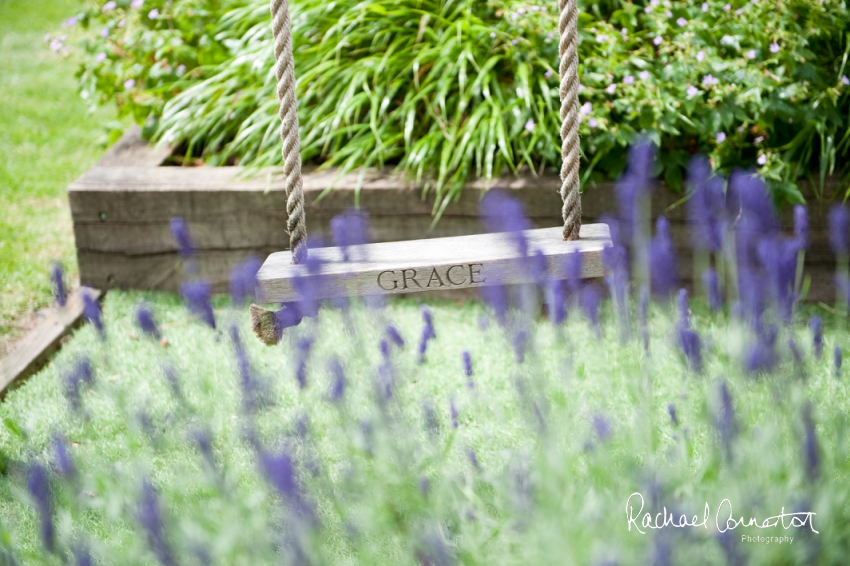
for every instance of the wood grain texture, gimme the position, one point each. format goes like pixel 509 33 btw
pixel 449 263
pixel 35 348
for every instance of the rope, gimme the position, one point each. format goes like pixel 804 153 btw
pixel 285 70
pixel 570 186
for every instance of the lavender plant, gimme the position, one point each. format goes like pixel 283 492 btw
pixel 378 454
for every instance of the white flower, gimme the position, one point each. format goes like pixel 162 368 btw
pixel 657 41
pixel 611 88
pixel 704 7
pixel 529 125
pixel 643 75
pixel 129 83
pixel 751 54
pixel 153 14
pixel 774 48
pixel 721 137
pixel 701 56
pixel 682 22
pixel 692 91
pixel 493 35
pixel 586 109
pixel 762 159
pixel 628 80
pixel 108 6
pixel 100 57
pixel 592 123
pixel 137 3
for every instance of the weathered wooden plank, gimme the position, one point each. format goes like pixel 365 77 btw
pixel 418 265
pixel 33 350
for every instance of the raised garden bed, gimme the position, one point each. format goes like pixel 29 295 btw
pixel 121 210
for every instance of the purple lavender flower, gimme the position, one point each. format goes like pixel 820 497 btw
pixel 82 557
pixel 202 438
pixel 170 374
pixel 602 427
pixel 453 411
pixel 712 288
pixel 434 549
pixel 146 322
pixel 304 345
pixel 706 206
pixel 520 344
pixel 502 213
pixel 662 260
pixel 473 458
pixel 338 383
pixel 842 287
pixel 496 296
pixel 92 314
pixel 691 345
pixel 556 301
pixel 816 327
pixel 837 357
pixel 63 463
pixel 615 259
pixel 683 308
pixel 395 336
pixel 839 220
pixel 573 281
pixel 150 517
pixel 350 228
pixel 762 356
pixel 810 444
pixel 279 470
pixel 424 485
pixel 643 318
pixel 632 188
pixel 779 258
pixel 243 281
pixel 38 487
pixel 80 372
pixel 180 233
pixel 590 297
pixel 671 409
pixel 59 293
pixel 801 226
pixel 254 391
pixel 726 423
pixel 427 333
pixel 196 295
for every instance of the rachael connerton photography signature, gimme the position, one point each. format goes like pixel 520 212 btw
pixel 724 519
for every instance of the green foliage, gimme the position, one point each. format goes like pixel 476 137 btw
pixel 446 90
pixel 550 487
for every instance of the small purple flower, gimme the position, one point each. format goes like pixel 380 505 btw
pixel 104 33
pixel 739 11
pixel 671 409
pixel 692 91
pixel 514 41
pixel 844 80
pixel 601 38
pixel 691 345
pixel 196 295
pixel 758 140
pixel 146 322
pixel 547 75
pixel 108 6
pixel 243 281
pixel 727 7
pixel 801 226
pixel 593 123
pixel 82 557
pixel 181 69
pixel 70 22
pixel 726 422
pixel 150 517
pixel 556 301
pixel 774 48
pixel 704 7
pixel 837 357
pixel 38 487
pixel 80 373
pixel 350 228
pixel 58 279
pixel 432 422
pixel 839 221
pixel 129 83
pixel 427 333
pixel 602 427
pixel 473 459
pixel 466 358
pixel 643 75
pixel 492 35
pixel 529 125
pixel 137 3
pixel 712 289
pixel 664 275
pixel 816 326
pixel 92 313
pixel 706 207
pixel 682 22
pixel 710 80
pixel 153 14
pixel 700 56
pixel 810 444
pixel 751 54
pixel 395 336
pixel 720 137
pixel 611 88
pixel 762 159
pixel 585 109
pixel 683 308
pixel 180 233
pixel 628 80
pixel 63 464
pixel 100 57
pixel 337 389
pixel 590 297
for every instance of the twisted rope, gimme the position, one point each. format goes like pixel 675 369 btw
pixel 285 70
pixel 570 186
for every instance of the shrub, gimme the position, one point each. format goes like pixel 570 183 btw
pixel 446 90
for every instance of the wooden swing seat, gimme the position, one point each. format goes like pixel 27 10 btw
pixel 459 262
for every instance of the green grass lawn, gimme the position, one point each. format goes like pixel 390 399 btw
pixel 561 441
pixel 47 138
